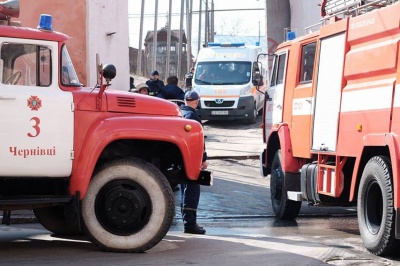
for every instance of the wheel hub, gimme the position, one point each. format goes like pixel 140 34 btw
pixel 123 207
pixel 373 207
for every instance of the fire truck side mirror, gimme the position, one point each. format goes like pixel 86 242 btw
pixel 109 72
pixel 258 80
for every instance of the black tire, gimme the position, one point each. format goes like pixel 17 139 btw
pixel 54 220
pixel 129 206
pixel 253 118
pixel 375 207
pixel 283 208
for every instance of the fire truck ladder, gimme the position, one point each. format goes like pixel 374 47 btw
pixel 353 7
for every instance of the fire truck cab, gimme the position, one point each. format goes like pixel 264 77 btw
pixel 331 123
pixel 91 161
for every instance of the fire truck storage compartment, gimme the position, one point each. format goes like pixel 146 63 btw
pixel 308 182
pixel 329 84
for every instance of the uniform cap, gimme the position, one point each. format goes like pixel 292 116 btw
pixel 142 86
pixel 155 72
pixel 191 96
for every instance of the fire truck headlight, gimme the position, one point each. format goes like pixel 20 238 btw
pixel 188 128
pixel 245 91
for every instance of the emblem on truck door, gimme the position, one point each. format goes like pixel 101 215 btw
pixel 34 103
pixel 219 101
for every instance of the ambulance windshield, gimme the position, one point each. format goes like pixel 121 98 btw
pixel 223 73
pixel 68 74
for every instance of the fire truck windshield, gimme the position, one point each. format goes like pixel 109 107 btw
pixel 68 74
pixel 224 73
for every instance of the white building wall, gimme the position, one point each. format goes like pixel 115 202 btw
pixel 107 34
pixel 304 13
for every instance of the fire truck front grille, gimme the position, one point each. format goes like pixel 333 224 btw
pixel 223 104
pixel 126 102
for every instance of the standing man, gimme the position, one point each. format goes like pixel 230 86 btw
pixel 154 83
pixel 188 79
pixel 191 192
pixel 131 84
pixel 171 90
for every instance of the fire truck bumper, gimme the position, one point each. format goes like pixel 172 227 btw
pixel 205 178
pixel 244 110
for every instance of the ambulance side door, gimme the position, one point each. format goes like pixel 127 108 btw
pixel 36 115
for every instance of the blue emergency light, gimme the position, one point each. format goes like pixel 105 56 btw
pixel 45 22
pixel 233 44
pixel 237 44
pixel 213 44
pixel 290 35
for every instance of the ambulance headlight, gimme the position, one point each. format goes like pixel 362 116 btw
pixel 245 91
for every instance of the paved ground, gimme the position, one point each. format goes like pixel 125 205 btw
pixel 233 138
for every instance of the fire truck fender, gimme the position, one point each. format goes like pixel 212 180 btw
pixel 100 135
pixel 379 140
pixel 289 163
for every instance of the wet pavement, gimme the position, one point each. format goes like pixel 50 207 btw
pixel 237 214
pixel 241 229
pixel 233 139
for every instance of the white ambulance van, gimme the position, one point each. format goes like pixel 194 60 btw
pixel 223 78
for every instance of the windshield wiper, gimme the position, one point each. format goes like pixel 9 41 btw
pixel 202 82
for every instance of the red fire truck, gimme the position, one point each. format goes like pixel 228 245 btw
pixel 332 119
pixel 87 160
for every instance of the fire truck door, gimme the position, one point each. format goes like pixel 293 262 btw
pixel 276 92
pixel 37 117
pixel 328 91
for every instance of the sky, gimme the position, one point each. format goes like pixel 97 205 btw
pixel 242 23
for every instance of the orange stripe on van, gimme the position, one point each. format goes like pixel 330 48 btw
pixel 219 96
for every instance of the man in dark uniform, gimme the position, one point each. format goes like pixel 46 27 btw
pixel 188 79
pixel 191 192
pixel 171 90
pixel 155 84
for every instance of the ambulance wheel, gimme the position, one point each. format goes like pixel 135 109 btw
pixel 283 208
pixel 375 207
pixel 129 206
pixel 54 220
pixel 253 117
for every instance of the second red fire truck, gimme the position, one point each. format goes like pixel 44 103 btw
pixel 332 119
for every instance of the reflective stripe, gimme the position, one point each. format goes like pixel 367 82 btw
pixel 189 209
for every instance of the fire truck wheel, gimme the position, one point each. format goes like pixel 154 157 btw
pixel 375 207
pixel 54 220
pixel 129 206
pixel 283 208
